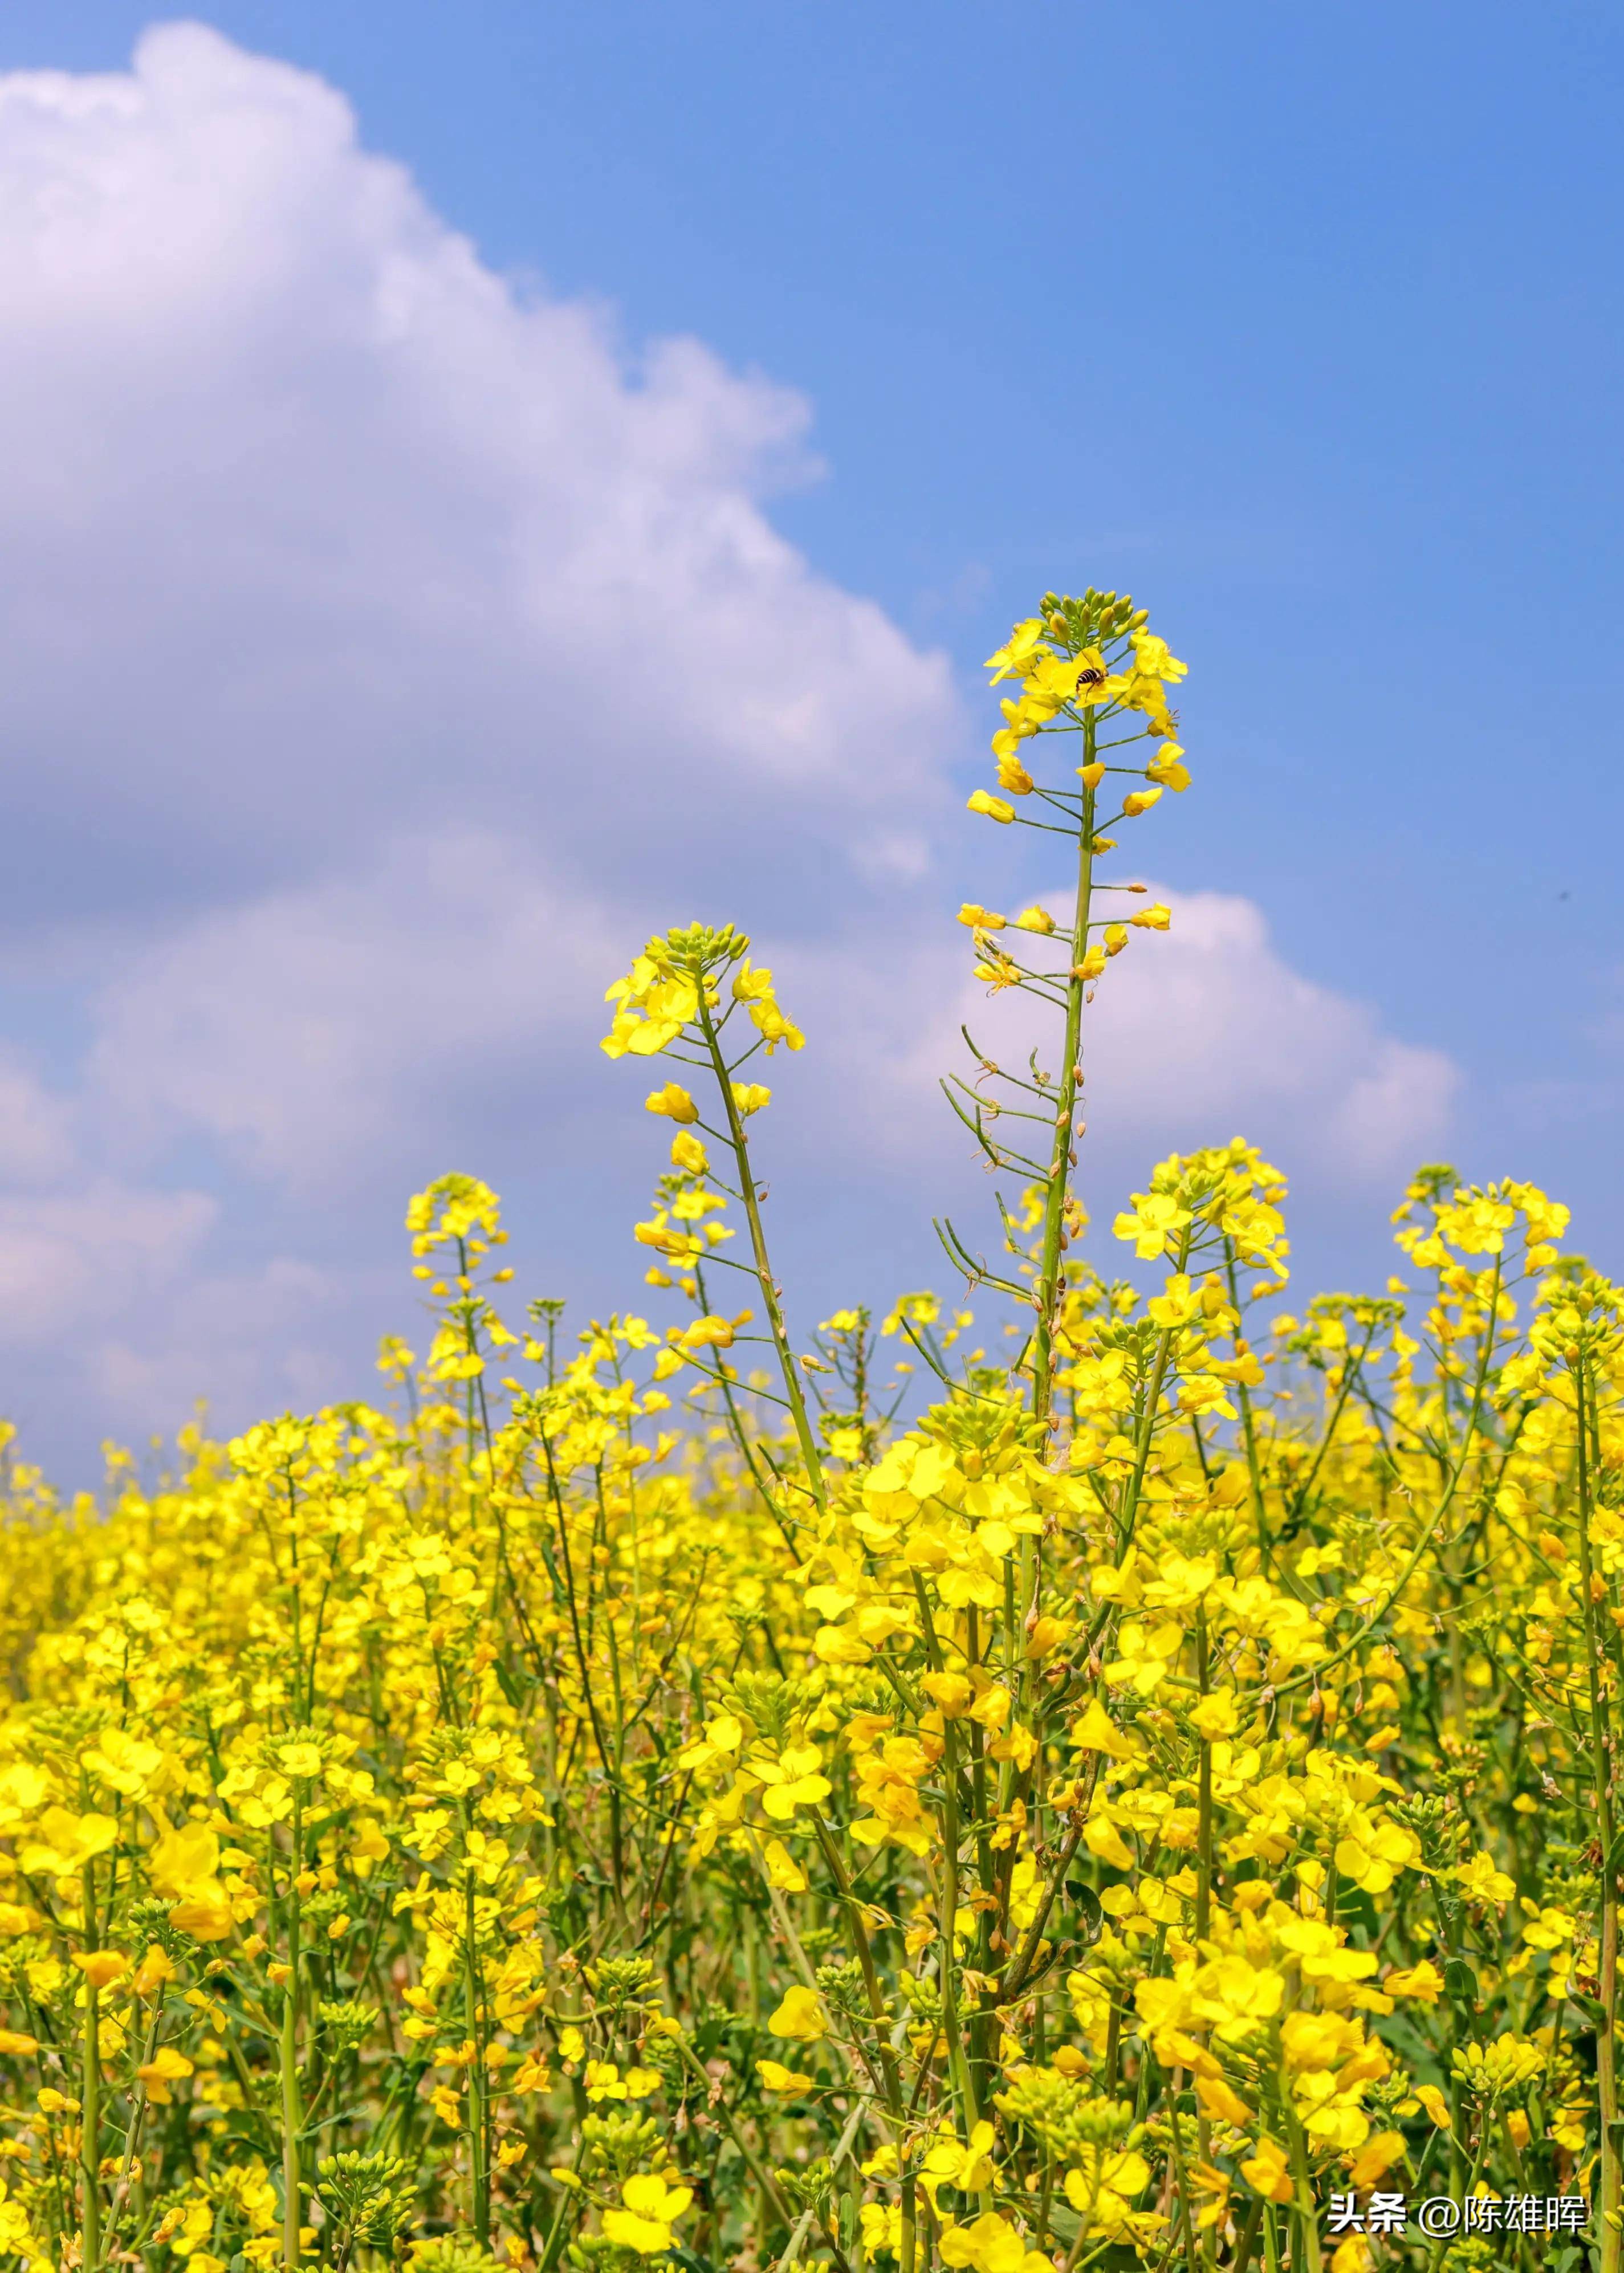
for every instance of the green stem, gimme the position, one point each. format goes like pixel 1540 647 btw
pixel 292 2108
pixel 1046 1295
pixel 970 2114
pixel 889 2068
pixel 1306 2209
pixel 809 2218
pixel 1611 2201
pixel 1203 1835
pixel 479 2079
pixel 1246 2240
pixel 90 2092
pixel 753 2162
pixel 765 1278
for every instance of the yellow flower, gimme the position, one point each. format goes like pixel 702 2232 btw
pixel 881 2228
pixel 776 2077
pixel 1547 1928
pixel 652 2207
pixel 651 2211
pixel 102 1967
pixel 123 1761
pixel 1156 1218
pixel 1218 2099
pixel 979 919
pixel 800 2016
pixel 603 2080
pixel 994 807
pixel 63 1841
pixel 1100 2194
pixel 368 1845
pixel 673 1101
pixel 166 2066
pixel 949 2162
pixel 204 1917
pixel 1269 2171
pixel 1372 1854
pixel 655 1003
pixel 182 1859
pixel 791 1781
pixel 1376 2158
pixel 1484 1882
pixel 951 1692
pixel 1567 2131
pixel 1215 1715
pixel 991 2245
pixel 783 1871
pixel 1423 1982
pixel 183 1864
pixel 1013 657
pixel 1167 768
pixel 1101 1837
pixel 753 989
pixel 1153 658
pixel 1146 1655
pixel 1097 1732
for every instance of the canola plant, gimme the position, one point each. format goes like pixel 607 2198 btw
pixel 652 1798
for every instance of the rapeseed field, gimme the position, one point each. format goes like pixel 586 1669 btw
pixel 1082 1771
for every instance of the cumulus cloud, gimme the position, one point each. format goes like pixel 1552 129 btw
pixel 308 1031
pixel 81 1258
pixel 363 538
pixel 1205 1032
pixel 36 1128
pixel 1195 1035
pixel 391 646
pixel 362 606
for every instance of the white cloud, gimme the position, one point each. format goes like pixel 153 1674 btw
pixel 312 1029
pixel 320 530
pixel 238 1342
pixel 1195 1035
pixel 78 1260
pixel 389 650
pixel 1203 1032
pixel 36 1128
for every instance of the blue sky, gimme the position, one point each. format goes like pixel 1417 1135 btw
pixel 1302 324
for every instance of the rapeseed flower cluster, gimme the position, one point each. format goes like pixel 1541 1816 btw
pixel 676 1794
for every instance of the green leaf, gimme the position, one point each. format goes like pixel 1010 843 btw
pixel 1085 1898
pixel 1460 1982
